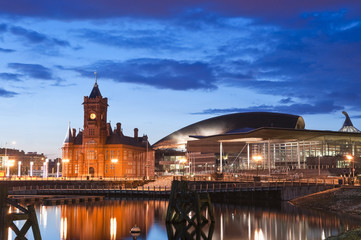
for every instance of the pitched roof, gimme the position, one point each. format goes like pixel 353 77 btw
pixel 117 138
pixel 69 136
pixel 95 92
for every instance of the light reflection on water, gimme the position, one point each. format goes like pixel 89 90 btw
pixel 113 219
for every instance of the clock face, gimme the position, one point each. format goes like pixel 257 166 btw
pixel 93 116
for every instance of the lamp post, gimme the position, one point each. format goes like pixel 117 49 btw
pixel 257 159
pixel 10 163
pixel 19 168
pixel 57 169
pixel 114 161
pixel 31 168
pixel 46 167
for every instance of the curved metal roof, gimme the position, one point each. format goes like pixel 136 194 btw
pixel 347 125
pixel 237 122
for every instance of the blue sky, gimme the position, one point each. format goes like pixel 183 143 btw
pixel 166 64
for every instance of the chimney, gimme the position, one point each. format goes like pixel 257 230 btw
pixel 145 138
pixel 119 130
pixel 109 129
pixel 74 132
pixel 136 134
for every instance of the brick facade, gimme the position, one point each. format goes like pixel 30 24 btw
pixel 99 151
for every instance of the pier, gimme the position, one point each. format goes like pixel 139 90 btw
pixel 255 188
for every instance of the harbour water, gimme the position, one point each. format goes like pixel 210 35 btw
pixel 113 219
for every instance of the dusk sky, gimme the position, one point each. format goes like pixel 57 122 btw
pixel 167 64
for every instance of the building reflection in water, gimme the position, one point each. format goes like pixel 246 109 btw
pixel 63 228
pixel 113 228
pixel 288 223
pixel 113 219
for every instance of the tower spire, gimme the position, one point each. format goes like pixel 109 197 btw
pixel 96 78
pixel 95 92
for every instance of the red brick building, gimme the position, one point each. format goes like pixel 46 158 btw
pixel 99 151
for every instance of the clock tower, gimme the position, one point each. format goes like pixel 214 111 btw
pixel 99 151
pixel 95 117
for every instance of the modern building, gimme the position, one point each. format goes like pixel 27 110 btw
pixel 172 149
pixel 270 141
pixel 100 151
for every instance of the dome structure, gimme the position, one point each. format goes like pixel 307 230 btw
pixel 230 123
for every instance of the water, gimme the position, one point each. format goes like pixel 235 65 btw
pixel 113 219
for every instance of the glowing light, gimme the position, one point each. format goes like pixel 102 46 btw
pixel 10 234
pixel 44 215
pixel 258 235
pixel 63 228
pixel 257 158
pixel 114 160
pixel 182 160
pixel 113 228
pixel 10 163
pixel 65 160
pixel 349 157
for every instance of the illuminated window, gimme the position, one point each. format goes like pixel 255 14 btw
pixel 90 155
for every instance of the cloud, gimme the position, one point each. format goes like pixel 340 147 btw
pixel 36 37
pixel 3 27
pixel 261 9
pixel 320 61
pixel 7 94
pixel 159 73
pixel 5 50
pixel 286 100
pixel 141 39
pixel 36 71
pixel 11 77
pixel 297 108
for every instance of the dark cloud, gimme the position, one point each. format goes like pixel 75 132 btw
pixel 286 100
pixel 307 64
pixel 7 94
pixel 142 39
pixel 297 108
pixel 36 37
pixel 11 77
pixel 262 9
pixel 159 73
pixel 36 71
pixel 5 50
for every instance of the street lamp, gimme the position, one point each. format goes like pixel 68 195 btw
pixel 57 169
pixel 31 168
pixel 9 163
pixel 351 159
pixel 257 159
pixel 19 168
pixel 46 167
pixel 114 161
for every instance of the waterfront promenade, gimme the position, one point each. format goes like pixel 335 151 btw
pixel 281 188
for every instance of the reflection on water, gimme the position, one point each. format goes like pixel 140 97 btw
pixel 113 219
